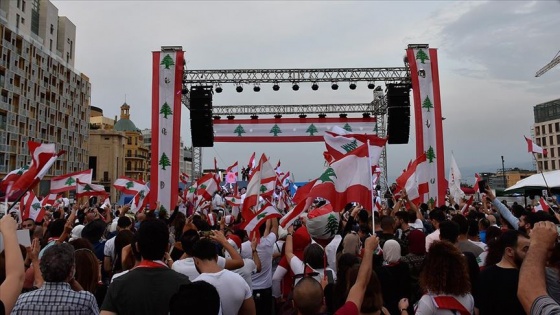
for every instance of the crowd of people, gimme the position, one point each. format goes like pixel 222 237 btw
pixel 489 258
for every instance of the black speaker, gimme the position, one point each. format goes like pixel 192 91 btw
pixel 398 95
pixel 398 124
pixel 202 129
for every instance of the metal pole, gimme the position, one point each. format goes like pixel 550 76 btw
pixel 504 173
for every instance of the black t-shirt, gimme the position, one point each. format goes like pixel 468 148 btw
pixel 496 292
pixel 143 291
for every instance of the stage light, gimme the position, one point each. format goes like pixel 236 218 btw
pixel 315 86
pixel 277 116
pixel 230 117
pixel 322 115
pixel 254 117
pixel 366 115
pixel 343 115
pixel 257 88
pixel 239 89
pixel 276 87
pixel 302 116
pixel 185 91
pixel 217 117
pixel 334 86
pixel 219 89
pixel 295 87
pixel 352 86
pixel 371 86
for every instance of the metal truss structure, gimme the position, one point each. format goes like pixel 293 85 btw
pixel 257 76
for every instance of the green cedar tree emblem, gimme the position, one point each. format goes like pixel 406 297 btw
pixel 166 110
pixel 422 56
pixel 167 61
pixel 311 129
pixel 22 170
pixel 327 174
pixel 352 145
pixel 70 181
pixel 427 104
pixel 262 189
pixel 87 187
pixel 164 161
pixel 36 206
pixel 202 186
pixel 129 184
pixel 347 127
pixel 332 225
pixel 141 194
pixel 430 155
pixel 261 215
pixel 239 130
pixel 275 130
pixel 192 189
pixel 233 199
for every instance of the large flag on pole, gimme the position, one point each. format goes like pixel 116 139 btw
pixel 32 207
pixel 43 157
pixel 477 179
pixel 455 181
pixel 414 180
pixel 267 212
pixel 128 186
pixel 89 190
pixel 534 148
pixel 67 182
pixel 167 77
pixel 140 199
pixel 340 144
pixel 424 75
pixel 346 180
pixel 232 173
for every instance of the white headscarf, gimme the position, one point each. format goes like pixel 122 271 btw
pixel 391 252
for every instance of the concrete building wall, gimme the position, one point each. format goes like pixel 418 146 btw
pixel 107 158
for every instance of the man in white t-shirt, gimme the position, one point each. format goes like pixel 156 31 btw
pixel 187 266
pixel 251 265
pixel 262 281
pixel 436 217
pixel 235 294
pixel 123 223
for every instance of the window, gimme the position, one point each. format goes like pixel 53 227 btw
pixel 537 130
pixel 546 165
pixel 23 6
pixel 551 139
pixel 552 152
pixel 17 18
pixel 549 128
pixel 557 127
pixel 50 45
pixel 544 141
pixel 22 21
pixel 18 3
pixel 52 29
pixel 553 162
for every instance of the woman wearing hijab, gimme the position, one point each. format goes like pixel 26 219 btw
pixel 394 276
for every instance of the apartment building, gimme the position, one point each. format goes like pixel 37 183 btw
pixel 547 134
pixel 42 96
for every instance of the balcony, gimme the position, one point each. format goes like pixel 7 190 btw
pixel 136 156
pixel 135 169
pixel 105 180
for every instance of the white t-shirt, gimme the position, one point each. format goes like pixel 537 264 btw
pixel 186 266
pixel 263 279
pixel 118 274
pixel 246 272
pixel 434 236
pixel 298 268
pixel 109 249
pixel 231 287
pixel 417 225
pixel 426 305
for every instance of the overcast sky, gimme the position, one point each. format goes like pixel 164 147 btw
pixel 488 55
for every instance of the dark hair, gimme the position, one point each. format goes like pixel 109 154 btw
pixel 204 249
pixel 344 262
pixel 198 297
pixel 201 225
pixel 495 253
pixel 363 216
pixel 124 222
pixel 437 215
pixel 57 262
pixel 153 237
pixel 373 298
pixel 462 222
pixel 402 215
pixel 308 296
pixel 314 255
pixel 87 274
pixel 387 222
pixel 94 230
pixel 188 239
pixel 445 270
pixel 473 228
pixel 80 243
pixel 449 231
pixel 55 228
pixel 122 239
pixel 484 223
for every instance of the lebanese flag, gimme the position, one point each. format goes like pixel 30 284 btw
pixel 261 183
pixel 50 199
pixel 232 173
pixel 43 157
pixel 212 219
pixel 414 179
pixel 190 194
pixel 289 218
pixel 541 206
pixel 207 185
pixel 534 148
pixel 85 189
pixel 267 212
pixel 340 144
pixel 268 177
pixel 303 191
pixel 285 181
pixel 184 178
pixel 277 168
pixel 67 182
pixel 127 185
pixel 252 164
pixel 234 201
pixel 346 180
pixel 140 200
pixel 467 205
pixel 32 207
pixel 477 179
pixel 11 177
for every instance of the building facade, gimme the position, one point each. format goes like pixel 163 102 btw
pixel 547 134
pixel 136 153
pixel 107 157
pixel 42 97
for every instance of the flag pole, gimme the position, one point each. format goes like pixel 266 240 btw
pixel 542 174
pixel 371 184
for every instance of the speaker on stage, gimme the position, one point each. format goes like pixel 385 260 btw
pixel 202 129
pixel 398 124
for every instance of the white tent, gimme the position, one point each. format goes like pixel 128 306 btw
pixel 537 182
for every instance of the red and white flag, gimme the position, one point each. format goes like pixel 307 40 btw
pixel 277 168
pixel 190 194
pixel 295 212
pixel 467 205
pixel 261 183
pixel 477 179
pixel 50 200
pixel 541 206
pixel 234 201
pixel 140 199
pixel 32 207
pixel 67 182
pixel 267 212
pixel 43 157
pixel 285 181
pixel 89 190
pixel 127 185
pixel 184 178
pixel 12 177
pixel 303 191
pixel 252 164
pixel 414 180
pixel 534 148
pixel 207 185
pixel 346 180
pixel 232 174
pixel 340 144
